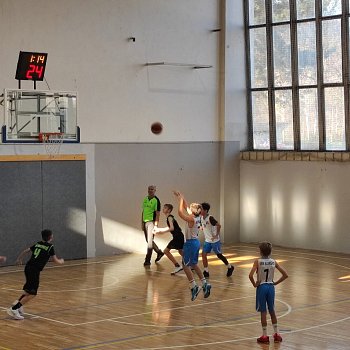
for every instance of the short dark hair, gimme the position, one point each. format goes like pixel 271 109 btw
pixel 46 235
pixel 265 248
pixel 205 206
pixel 169 206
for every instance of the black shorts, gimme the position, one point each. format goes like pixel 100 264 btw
pixel 32 280
pixel 176 243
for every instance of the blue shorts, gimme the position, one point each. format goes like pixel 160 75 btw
pixel 191 252
pixel 265 295
pixel 215 247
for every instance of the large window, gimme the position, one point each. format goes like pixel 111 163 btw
pixel 298 58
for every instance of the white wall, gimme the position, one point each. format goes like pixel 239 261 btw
pixel 124 171
pixel 296 204
pixel 89 51
pixel 119 97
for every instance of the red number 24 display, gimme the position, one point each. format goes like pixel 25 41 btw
pixel 31 66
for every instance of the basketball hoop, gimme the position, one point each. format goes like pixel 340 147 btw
pixel 52 142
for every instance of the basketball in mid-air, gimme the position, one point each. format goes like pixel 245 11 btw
pixel 157 128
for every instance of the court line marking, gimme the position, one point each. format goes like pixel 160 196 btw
pixel 37 316
pixel 220 324
pixel 295 331
pixel 150 312
pixel 67 290
pixel 94 346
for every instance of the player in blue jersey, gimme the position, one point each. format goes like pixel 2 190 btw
pixel 192 219
pixel 41 253
pixel 265 289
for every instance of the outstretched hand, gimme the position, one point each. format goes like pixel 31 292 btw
pixel 178 194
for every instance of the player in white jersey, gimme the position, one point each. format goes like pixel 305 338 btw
pixel 192 245
pixel 211 229
pixel 265 289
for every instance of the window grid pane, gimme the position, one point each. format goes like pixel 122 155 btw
pixel 309 134
pixel 307 53
pixel 281 54
pixel 284 120
pixel 280 11
pixel 305 9
pixel 332 51
pixel 257 12
pixel 258 58
pixel 335 121
pixel 261 129
pixel 331 7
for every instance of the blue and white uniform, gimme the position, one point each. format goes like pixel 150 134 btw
pixel 210 230
pixel 192 243
pixel 265 292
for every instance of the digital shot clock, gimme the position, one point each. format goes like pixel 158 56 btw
pixel 31 66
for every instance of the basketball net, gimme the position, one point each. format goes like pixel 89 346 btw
pixel 52 142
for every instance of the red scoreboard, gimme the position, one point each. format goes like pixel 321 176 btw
pixel 31 66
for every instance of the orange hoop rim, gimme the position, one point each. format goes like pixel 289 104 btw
pixel 44 136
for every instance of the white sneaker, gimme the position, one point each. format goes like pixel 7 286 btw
pixel 15 314
pixel 20 310
pixel 177 269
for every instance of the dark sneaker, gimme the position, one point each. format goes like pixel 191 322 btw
pixel 205 274
pixel 263 339
pixel 147 263
pixel 159 256
pixel 206 289
pixel 277 338
pixel 194 292
pixel 230 271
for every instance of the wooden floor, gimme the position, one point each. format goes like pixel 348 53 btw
pixel 116 303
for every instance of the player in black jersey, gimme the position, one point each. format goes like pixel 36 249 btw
pixel 178 238
pixel 41 253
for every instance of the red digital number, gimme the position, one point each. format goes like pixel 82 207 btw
pixel 34 69
pixel 39 71
pixel 30 71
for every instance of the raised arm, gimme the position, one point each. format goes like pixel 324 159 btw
pixel 183 207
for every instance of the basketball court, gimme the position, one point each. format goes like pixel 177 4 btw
pixel 115 303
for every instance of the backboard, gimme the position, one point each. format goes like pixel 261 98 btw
pixel 29 113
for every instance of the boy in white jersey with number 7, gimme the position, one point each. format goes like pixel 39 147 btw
pixel 265 289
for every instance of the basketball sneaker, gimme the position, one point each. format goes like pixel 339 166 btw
pixel 15 314
pixel 159 256
pixel 177 269
pixel 206 274
pixel 147 263
pixel 194 292
pixel 206 289
pixel 263 339
pixel 20 310
pixel 277 338
pixel 230 271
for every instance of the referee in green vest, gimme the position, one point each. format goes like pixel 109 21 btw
pixel 150 218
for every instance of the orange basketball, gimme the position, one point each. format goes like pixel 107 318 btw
pixel 157 128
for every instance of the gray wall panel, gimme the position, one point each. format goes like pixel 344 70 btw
pixel 64 206
pixel 20 207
